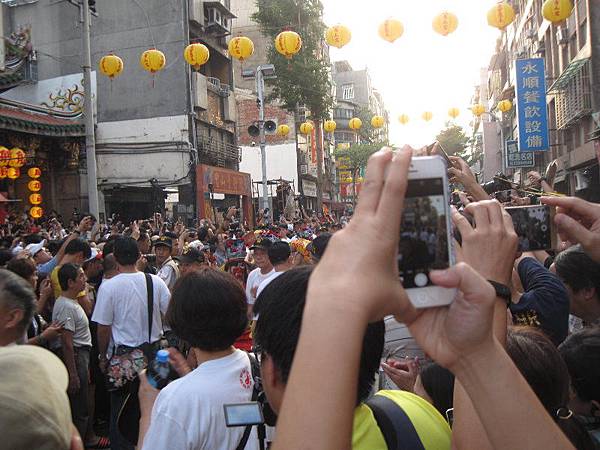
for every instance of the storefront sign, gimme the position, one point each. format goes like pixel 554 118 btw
pixel 223 181
pixel 514 158
pixel 531 105
pixel 309 188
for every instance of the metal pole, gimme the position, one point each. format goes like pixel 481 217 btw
pixel 88 111
pixel 260 88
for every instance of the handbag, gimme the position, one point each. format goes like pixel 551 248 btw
pixel 127 362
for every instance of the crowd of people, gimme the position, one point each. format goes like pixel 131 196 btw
pixel 307 317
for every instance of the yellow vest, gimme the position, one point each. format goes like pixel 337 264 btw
pixel 434 432
pixel 56 285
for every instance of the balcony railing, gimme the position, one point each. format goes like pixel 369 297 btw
pixel 216 153
pixel 214 84
pixel 573 93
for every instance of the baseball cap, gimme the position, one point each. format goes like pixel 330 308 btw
pixel 262 242
pixel 192 255
pixel 164 241
pixel 95 254
pixel 34 248
pixel 35 409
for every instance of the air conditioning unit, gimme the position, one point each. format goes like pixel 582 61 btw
pixel 562 35
pixel 304 169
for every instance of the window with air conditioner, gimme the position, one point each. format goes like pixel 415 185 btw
pixel 348 91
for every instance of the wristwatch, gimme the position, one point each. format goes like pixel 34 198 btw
pixel 502 291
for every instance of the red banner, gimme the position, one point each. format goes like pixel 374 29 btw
pixel 224 181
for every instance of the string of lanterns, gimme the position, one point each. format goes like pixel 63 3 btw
pixel 11 162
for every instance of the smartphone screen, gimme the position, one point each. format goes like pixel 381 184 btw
pixel 242 414
pixel 423 234
pixel 534 226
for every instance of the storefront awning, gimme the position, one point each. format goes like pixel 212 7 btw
pixel 571 71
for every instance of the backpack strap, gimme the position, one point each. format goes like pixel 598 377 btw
pixel 150 291
pixel 398 431
pixel 255 368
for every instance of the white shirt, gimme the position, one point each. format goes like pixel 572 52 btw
pixel 71 315
pixel 122 303
pixel 264 283
pixel 167 274
pixel 188 413
pixel 254 279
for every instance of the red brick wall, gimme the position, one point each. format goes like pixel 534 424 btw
pixel 248 114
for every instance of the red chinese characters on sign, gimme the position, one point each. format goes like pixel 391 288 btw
pixel 223 181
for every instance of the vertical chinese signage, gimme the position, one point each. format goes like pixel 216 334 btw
pixel 531 105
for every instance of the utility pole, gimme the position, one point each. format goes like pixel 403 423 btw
pixel 88 109
pixel 260 91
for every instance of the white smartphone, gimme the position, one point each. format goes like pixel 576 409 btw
pixel 426 232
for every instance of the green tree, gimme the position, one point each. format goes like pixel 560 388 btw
pixel 367 133
pixel 358 154
pixel 453 139
pixel 303 79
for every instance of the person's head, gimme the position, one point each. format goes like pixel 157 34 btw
pixel 174 242
pixel 282 230
pixel 208 310
pixel 17 302
pixel 260 250
pixel 203 234
pixel 192 260
pixel 71 278
pixel 541 365
pixel 318 246
pixel 77 251
pixel 581 276
pixel 436 385
pixel 126 251
pixel 109 266
pixel 279 307
pixel 581 353
pixel 279 253
pixel 25 268
pixel 38 252
pixel 163 247
pixel 144 243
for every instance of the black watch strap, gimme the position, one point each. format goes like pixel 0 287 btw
pixel 502 291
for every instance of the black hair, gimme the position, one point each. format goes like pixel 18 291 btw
pixel 109 246
pixel 5 256
pixel 16 293
pixel 202 233
pixel 126 251
pixel 279 307
pixel 576 269
pixel 67 272
pixel 78 245
pixel 581 353
pixel 279 252
pixel 24 267
pixel 54 246
pixel 32 239
pixel 319 244
pixel 170 234
pixel 541 365
pixel 438 382
pixel 208 309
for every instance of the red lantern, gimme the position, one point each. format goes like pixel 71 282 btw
pixel 3 172
pixel 4 156
pixel 34 186
pixel 34 172
pixel 36 212
pixel 13 173
pixel 17 158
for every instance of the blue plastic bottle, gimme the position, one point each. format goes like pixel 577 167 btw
pixel 158 370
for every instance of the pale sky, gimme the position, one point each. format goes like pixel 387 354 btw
pixel 422 70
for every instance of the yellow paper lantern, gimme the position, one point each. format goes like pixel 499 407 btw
pixel 288 43
pixel 377 121
pixel 196 55
pixel 478 110
pixel 34 172
pixel 355 124
pixel 307 128
pixel 360 180
pixel 3 172
pixel 329 126
pixel 13 173
pixel 427 116
pixel 241 47
pixel 391 29
pixel 17 158
pixel 557 10
pixel 454 112
pixel 35 199
pixel 501 15
pixel 504 105
pixel 34 186
pixel 349 180
pixel 445 23
pixel 283 130
pixel 338 36
pixel 153 60
pixel 403 119
pixel 4 156
pixel 36 212
pixel 111 65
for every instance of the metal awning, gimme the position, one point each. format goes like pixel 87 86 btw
pixel 571 71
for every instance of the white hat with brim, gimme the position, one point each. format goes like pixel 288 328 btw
pixel 35 412
pixel 34 248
